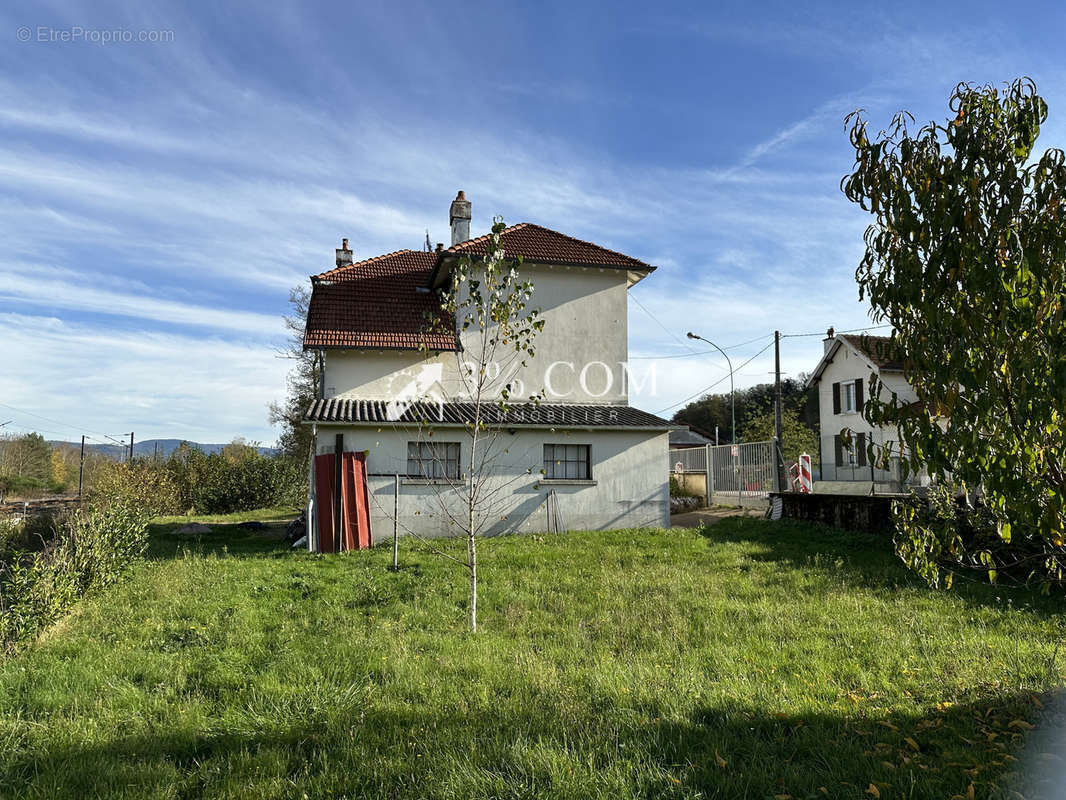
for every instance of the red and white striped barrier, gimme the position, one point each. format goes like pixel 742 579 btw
pixel 806 482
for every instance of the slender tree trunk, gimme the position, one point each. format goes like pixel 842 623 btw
pixel 471 550
pixel 471 512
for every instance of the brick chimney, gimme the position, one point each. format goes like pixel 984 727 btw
pixel 460 218
pixel 827 342
pixel 344 255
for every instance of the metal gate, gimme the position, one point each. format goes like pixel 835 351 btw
pixel 732 474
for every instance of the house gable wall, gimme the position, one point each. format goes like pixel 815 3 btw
pixel 585 314
pixel 847 365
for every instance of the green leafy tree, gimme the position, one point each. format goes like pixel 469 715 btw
pixel 797 437
pixel 27 456
pixel 713 409
pixel 303 379
pixel 966 258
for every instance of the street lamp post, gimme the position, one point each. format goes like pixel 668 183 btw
pixel 732 415
pixel 732 394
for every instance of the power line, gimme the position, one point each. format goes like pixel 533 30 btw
pixel 48 419
pixel 708 388
pixel 822 333
pixel 670 332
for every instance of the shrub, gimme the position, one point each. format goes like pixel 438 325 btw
pixel 235 480
pixel 89 548
pixel 140 483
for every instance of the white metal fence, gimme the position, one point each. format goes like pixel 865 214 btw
pixel 730 473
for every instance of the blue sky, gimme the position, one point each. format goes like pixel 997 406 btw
pixel 158 199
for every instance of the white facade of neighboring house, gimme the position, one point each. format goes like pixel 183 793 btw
pixel 843 380
pixel 604 461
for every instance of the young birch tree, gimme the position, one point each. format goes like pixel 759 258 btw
pixel 489 304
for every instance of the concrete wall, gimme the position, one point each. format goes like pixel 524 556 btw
pixel 585 322
pixel 629 487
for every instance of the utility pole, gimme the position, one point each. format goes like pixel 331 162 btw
pixel 131 446
pixel 81 467
pixel 777 412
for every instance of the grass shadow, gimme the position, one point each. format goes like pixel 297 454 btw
pixel 511 748
pixel 865 560
pixel 240 539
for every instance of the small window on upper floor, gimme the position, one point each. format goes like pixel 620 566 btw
pixel 849 396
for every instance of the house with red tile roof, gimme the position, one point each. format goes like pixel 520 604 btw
pixel 391 358
pixel 843 380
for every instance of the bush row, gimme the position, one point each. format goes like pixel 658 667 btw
pixel 236 479
pixel 46 564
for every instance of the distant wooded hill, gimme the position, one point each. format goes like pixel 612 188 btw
pixel 150 447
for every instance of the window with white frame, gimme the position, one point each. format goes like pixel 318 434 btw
pixel 567 462
pixel 433 460
pixel 849 396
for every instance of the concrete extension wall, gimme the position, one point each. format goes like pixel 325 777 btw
pixel 584 310
pixel 629 487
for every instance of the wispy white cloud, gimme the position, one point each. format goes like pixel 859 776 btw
pixel 196 207
pixel 157 384
pixel 38 286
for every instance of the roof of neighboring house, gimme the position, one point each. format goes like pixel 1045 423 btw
pixel 540 415
pixel 689 436
pixel 878 350
pixel 376 304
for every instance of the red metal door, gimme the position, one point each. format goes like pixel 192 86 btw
pixel 355 501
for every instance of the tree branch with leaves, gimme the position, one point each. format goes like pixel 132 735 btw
pixel 966 258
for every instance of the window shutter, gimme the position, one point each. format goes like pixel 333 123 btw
pixel 860 446
pixel 838 446
pixel 836 400
pixel 858 395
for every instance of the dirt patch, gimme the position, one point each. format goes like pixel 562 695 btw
pixel 710 516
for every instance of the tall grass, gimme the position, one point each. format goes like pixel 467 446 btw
pixel 751 660
pixel 48 563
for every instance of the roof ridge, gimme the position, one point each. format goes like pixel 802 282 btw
pixel 485 236
pixel 585 242
pixel 365 262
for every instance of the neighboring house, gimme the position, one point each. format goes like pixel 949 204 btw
pixel 603 460
pixel 689 436
pixel 843 379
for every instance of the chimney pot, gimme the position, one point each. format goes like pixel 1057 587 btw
pixel 344 254
pixel 828 340
pixel 459 218
pixel 440 247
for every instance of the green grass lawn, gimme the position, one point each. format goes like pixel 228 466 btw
pixel 753 660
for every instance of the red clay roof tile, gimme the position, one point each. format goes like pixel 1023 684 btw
pixel 537 243
pixel 376 304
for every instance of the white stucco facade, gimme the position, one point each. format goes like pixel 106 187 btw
pixel 845 471
pixel 846 366
pixel 581 354
pixel 580 361
pixel 628 489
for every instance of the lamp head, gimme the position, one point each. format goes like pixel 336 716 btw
pixel 691 335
